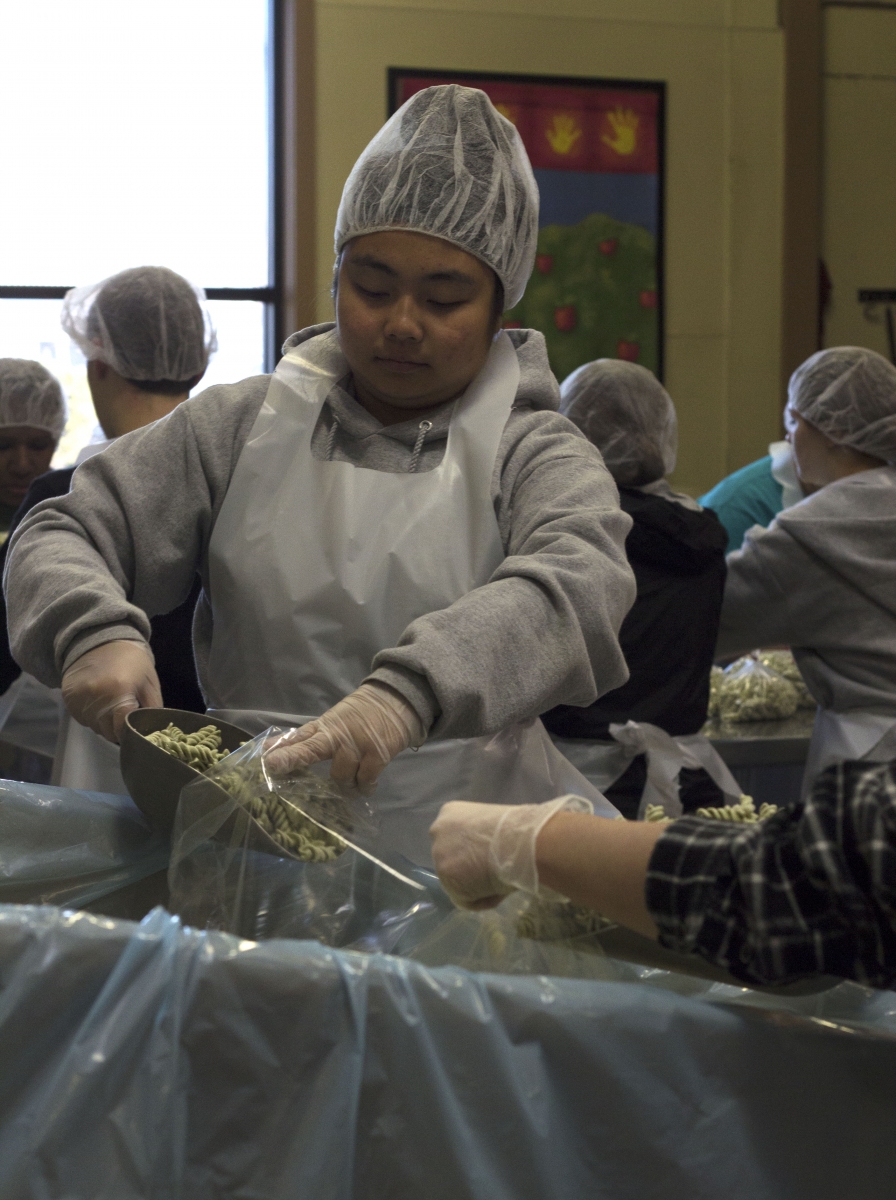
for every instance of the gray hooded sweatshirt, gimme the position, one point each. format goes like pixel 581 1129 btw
pixel 822 579
pixel 126 542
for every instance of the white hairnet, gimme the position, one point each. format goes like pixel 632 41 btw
pixel 30 395
pixel 625 411
pixel 147 323
pixel 849 393
pixel 448 164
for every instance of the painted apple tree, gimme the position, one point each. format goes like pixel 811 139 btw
pixel 593 293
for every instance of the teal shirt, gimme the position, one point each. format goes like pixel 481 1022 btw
pixel 746 498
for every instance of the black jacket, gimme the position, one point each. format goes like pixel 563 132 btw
pixel 669 636
pixel 171 640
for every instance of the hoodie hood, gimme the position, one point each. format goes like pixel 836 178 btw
pixel 850 527
pixel 538 389
pixel 669 536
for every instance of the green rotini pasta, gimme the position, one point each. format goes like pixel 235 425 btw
pixel 281 820
pixel 783 662
pixel 546 920
pixel 744 812
pixel 555 921
pixel 199 750
pixel 751 691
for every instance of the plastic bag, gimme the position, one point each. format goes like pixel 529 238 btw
pixel 530 936
pixel 783 663
pixel 59 846
pixel 495 941
pixel 155 1061
pixel 716 679
pixel 666 756
pixel 265 858
pixel 752 692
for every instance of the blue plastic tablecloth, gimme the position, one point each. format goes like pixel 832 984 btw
pixel 60 846
pixel 155 1061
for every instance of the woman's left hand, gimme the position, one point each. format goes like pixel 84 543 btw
pixel 361 734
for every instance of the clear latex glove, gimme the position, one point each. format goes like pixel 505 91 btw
pixel 483 852
pixel 361 734
pixel 110 681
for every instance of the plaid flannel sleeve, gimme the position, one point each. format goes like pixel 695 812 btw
pixel 810 891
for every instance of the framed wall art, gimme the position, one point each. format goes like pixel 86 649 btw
pixel 596 147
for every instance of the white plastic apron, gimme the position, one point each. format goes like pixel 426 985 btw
pixel 85 761
pixel 81 759
pixel 316 566
pixel 602 763
pixel 853 735
pixel 29 715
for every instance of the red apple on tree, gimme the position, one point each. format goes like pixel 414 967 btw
pixel 513 324
pixel 544 263
pixel 609 245
pixel 566 318
pixel 627 351
pixel 647 298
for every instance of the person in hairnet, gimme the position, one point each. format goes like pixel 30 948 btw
pixel 677 551
pixel 147 338
pixel 809 891
pixel 822 577
pixel 402 544
pixel 32 418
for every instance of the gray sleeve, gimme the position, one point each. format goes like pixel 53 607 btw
pixel 125 543
pixel 769 593
pixel 544 629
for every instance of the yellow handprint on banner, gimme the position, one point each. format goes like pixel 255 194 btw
pixel 625 131
pixel 506 111
pixel 564 134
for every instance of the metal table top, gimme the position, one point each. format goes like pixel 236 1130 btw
pixel 763 743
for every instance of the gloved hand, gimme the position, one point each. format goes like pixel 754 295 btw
pixel 361 734
pixel 102 686
pixel 483 852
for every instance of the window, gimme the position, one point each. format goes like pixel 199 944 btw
pixel 135 134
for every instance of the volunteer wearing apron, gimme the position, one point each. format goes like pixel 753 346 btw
pixel 147 338
pixel 32 418
pixel 822 577
pixel 402 545
pixel 365 565
pixel 677 551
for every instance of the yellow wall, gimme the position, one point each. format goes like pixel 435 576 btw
pixel 860 168
pixel 723 62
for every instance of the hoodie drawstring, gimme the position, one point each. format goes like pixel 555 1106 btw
pixel 331 436
pixel 425 427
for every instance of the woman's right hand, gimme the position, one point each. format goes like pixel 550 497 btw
pixel 102 686
pixel 361 734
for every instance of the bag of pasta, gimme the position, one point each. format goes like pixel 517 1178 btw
pixel 783 663
pixel 261 858
pixel 751 691
pixel 716 680
pixel 521 936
